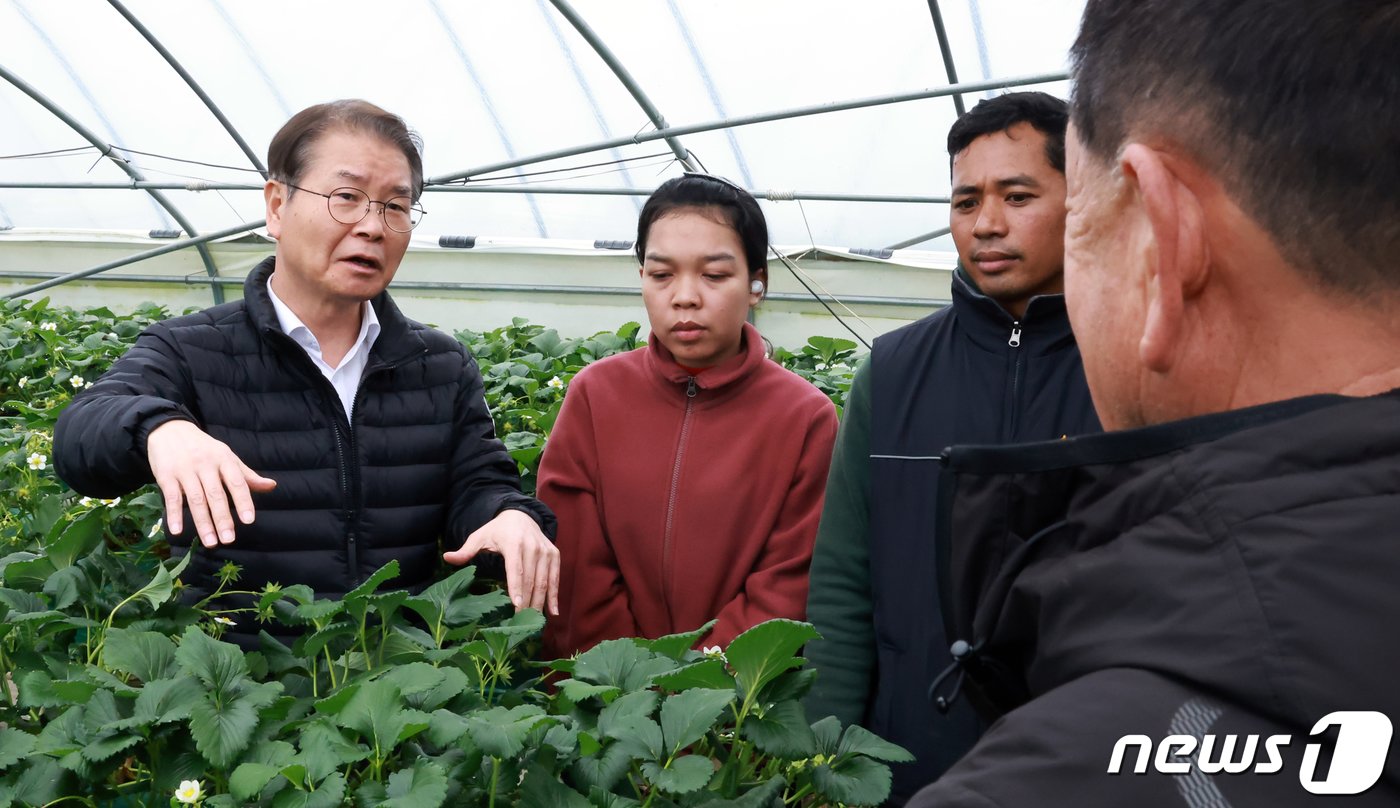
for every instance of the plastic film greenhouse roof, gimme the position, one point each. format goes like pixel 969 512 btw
pixel 492 84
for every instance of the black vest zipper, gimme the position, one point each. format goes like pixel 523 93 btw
pixel 345 449
pixel 1013 409
pixel 350 471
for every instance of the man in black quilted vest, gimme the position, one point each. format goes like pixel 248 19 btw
pixel 999 365
pixel 310 433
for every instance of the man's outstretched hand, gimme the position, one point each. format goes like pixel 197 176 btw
pixel 532 561
pixel 192 468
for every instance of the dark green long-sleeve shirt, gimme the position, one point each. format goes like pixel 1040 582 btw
pixel 839 600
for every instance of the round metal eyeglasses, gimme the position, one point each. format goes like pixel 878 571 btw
pixel 350 205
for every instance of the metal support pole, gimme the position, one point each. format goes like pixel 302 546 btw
pixel 507 288
pixel 197 242
pixel 746 120
pixel 910 242
pixel 947 50
pixel 106 150
pixel 194 85
pixel 606 54
pixel 772 195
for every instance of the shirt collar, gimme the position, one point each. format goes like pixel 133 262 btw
pixel 293 327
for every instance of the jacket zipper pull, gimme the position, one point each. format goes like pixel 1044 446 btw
pixel 1015 341
pixel 690 389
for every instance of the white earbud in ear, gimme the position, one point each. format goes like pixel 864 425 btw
pixel 756 287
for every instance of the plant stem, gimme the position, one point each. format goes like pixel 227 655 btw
pixel 801 792
pixel 636 776
pixel 738 725
pixel 364 646
pixel 330 666
pixel 83 800
pixel 495 775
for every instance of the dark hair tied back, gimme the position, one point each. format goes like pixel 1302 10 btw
pixel 705 192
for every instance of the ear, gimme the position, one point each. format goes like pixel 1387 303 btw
pixel 275 197
pixel 1178 264
pixel 757 297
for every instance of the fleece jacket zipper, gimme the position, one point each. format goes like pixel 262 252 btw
pixel 690 392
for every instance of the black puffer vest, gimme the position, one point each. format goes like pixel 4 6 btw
pixel 418 462
pixel 967 374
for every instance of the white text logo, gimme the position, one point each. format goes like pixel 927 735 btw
pixel 1363 741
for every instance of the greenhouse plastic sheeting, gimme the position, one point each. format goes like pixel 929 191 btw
pixel 492 82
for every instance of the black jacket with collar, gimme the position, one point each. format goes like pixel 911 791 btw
pixel 969 373
pixel 418 462
pixel 1228 575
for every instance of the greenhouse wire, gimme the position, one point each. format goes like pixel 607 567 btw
pixel 500 288
pixel 58 112
pixel 666 133
pixel 51 153
pixel 771 195
pixel 191 162
pixel 93 103
pixel 617 162
pixel 610 59
pixel 128 150
pixel 747 120
pixel 194 85
pixel 818 298
pixel 813 242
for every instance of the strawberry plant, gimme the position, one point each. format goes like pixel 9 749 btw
pixel 115 691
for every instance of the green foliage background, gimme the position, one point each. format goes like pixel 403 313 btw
pixel 114 692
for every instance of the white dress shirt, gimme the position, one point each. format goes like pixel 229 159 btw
pixel 346 377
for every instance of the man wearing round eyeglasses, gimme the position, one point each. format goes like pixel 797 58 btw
pixel 310 433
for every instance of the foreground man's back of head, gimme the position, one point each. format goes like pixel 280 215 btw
pixel 1234 185
pixel 1196 609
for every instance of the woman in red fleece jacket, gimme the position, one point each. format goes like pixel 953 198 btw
pixel 687 475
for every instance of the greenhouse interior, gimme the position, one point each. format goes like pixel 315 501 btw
pixel 133 162
pixel 537 526
pixel 135 127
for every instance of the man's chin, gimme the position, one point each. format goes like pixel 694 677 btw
pixel 365 285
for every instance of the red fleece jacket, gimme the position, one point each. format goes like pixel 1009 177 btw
pixel 673 508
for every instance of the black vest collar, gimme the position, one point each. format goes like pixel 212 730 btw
pixel 1044 327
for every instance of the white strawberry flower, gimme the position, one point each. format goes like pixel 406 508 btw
pixel 555 383
pixel 189 792
pixel 38 462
